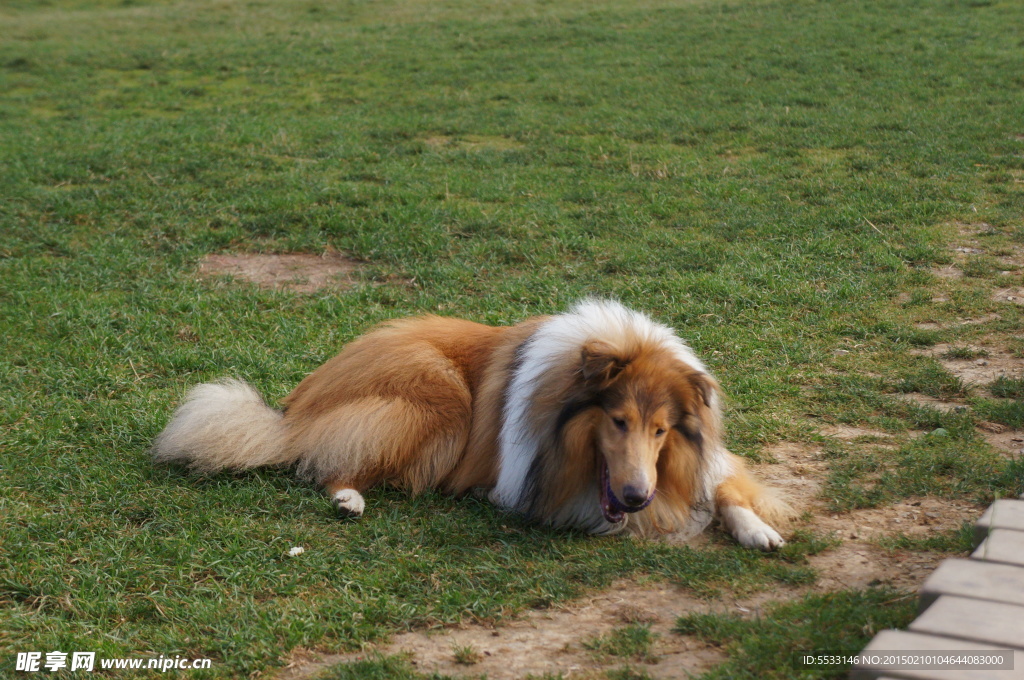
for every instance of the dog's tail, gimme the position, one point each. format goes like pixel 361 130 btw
pixel 224 425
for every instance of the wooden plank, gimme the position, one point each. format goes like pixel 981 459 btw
pixel 1003 514
pixel 974 579
pixel 1002 545
pixel 903 641
pixel 994 623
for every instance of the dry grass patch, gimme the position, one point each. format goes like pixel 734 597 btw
pixel 472 143
pixel 296 272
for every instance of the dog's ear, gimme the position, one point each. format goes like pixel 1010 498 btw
pixel 601 362
pixel 706 386
pixel 692 428
pixel 693 389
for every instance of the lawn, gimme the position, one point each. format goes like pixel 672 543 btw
pixel 826 199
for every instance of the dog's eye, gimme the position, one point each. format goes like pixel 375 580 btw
pixel 621 424
pixel 659 432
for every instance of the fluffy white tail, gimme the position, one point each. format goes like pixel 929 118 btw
pixel 224 425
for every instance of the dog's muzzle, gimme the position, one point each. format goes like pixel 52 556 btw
pixel 613 509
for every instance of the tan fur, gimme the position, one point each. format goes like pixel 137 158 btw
pixel 655 385
pixel 678 480
pixel 395 405
pixel 419 403
pixel 743 490
pixel 479 466
pixel 568 475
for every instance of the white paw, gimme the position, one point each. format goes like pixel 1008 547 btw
pixel 349 503
pixel 763 538
pixel 749 529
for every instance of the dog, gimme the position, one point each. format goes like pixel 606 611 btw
pixel 599 418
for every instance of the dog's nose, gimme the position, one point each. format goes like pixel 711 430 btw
pixel 633 496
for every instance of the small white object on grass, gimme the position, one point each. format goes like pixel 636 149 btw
pixel 296 551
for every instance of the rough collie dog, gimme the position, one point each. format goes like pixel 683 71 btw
pixel 598 418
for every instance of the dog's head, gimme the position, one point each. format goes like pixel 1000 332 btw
pixel 651 404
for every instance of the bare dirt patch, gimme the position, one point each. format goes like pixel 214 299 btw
pixel 798 473
pixel 1011 295
pixel 1009 442
pixel 298 272
pixel 930 402
pixel 971 321
pixel 859 564
pixel 973 242
pixel 552 641
pixel 972 229
pixel 1009 258
pixel 852 432
pixel 858 561
pixel 986 364
pixel 947 272
pixel 1012 260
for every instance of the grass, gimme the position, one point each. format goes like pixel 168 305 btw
pixel 952 461
pixel 766 647
pixel 1008 388
pixel 1006 412
pixel 928 377
pixel 772 178
pixel 467 655
pixel 959 540
pixel 961 352
pixel 631 642
pixel 628 673
pixel 377 668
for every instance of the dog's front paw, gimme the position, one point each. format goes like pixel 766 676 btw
pixel 762 538
pixel 349 503
pixel 749 529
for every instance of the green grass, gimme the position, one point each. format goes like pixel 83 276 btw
pixel 631 642
pixel 773 178
pixel 956 464
pixel 377 668
pixel 930 378
pixel 765 647
pixel 466 655
pixel 959 540
pixel 961 352
pixel 1006 412
pixel 628 673
pixel 1009 388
